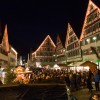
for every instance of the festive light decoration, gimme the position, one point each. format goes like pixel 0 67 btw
pixel 87 13
pixel 43 43
pixel 14 50
pixel 5 39
pixel 70 29
pixel 56 67
pixel 19 69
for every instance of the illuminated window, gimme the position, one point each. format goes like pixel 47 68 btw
pixel 88 40
pixel 94 38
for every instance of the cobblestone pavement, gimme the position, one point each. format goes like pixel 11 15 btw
pixel 84 94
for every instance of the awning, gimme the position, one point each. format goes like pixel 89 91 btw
pixel 62 65
pixel 92 65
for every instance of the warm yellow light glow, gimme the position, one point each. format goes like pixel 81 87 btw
pixel 67 36
pixel 14 50
pixel 87 13
pixel 43 43
pixel 88 40
pixel 69 29
pixel 56 67
pixel 5 38
pixel 94 38
pixel 19 69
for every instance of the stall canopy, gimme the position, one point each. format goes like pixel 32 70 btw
pixel 92 65
pixel 62 65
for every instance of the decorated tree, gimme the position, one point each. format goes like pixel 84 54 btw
pixel 10 75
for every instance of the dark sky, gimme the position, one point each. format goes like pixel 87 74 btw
pixel 29 21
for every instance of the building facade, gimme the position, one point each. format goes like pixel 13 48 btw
pixel 12 57
pixel 60 54
pixel 90 36
pixel 4 49
pixel 73 47
pixel 6 52
pixel 43 56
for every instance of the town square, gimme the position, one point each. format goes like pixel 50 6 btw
pixel 45 55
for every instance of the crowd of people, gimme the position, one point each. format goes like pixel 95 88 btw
pixel 73 79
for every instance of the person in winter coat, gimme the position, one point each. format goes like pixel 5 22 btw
pixel 89 81
pixel 97 79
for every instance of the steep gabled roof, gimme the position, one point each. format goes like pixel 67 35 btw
pixel 58 39
pixel 59 42
pixel 48 37
pixel 90 4
pixel 68 31
pixel 11 47
pixel 62 37
pixel 5 40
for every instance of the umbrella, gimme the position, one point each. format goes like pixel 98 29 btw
pixel 91 65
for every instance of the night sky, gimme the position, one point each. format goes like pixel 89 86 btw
pixel 30 21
